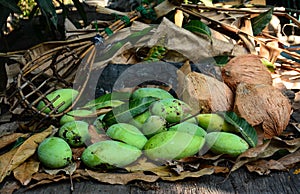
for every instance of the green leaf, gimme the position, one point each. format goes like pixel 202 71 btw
pixel 268 64
pixel 221 60
pixel 197 26
pixel 117 96
pixel 261 21
pixel 127 111
pixel 12 5
pixel 241 125
pixel 108 100
pixel 48 11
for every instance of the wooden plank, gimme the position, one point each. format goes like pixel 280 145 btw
pixel 240 181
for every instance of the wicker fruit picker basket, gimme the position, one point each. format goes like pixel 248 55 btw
pixel 53 65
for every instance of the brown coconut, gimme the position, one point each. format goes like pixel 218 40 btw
pixel 206 94
pixel 263 105
pixel 247 69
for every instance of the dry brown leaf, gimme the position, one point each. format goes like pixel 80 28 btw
pixel 9 187
pixel 187 174
pixel 209 156
pixel 217 169
pixel 264 167
pixel 270 50
pixel 290 159
pixel 44 178
pixel 268 149
pixel 141 165
pixel 24 172
pixel 29 147
pixel 11 160
pixel 161 171
pixel 77 152
pixel 248 36
pixel 250 155
pixel 274 50
pixel 5 161
pixel 293 142
pixel 9 139
pixel 69 170
pixel 118 178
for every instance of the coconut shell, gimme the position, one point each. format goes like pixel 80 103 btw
pixel 246 69
pixel 263 105
pixel 206 94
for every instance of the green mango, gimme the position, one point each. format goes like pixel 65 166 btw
pixel 128 134
pixel 76 133
pixel 54 152
pixel 110 153
pixel 226 143
pixel 191 120
pixel 75 115
pixel 190 128
pixel 170 145
pixel 153 125
pixel 151 92
pixel 214 122
pixel 173 110
pixel 140 119
pixel 64 97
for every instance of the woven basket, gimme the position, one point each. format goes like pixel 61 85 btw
pixel 56 68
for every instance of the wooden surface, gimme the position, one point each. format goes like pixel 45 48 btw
pixel 238 182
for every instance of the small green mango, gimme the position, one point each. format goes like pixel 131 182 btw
pixel 109 153
pixel 173 110
pixel 153 125
pixel 170 145
pixel 226 143
pixel 139 120
pixel 54 152
pixel 190 128
pixel 151 92
pixel 214 122
pixel 64 98
pixel 75 115
pixel 128 134
pixel 76 133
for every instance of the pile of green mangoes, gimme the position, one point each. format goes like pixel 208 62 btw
pixel 165 130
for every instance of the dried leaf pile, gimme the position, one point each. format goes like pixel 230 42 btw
pixel 240 82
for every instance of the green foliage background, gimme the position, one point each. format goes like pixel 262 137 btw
pixel 29 8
